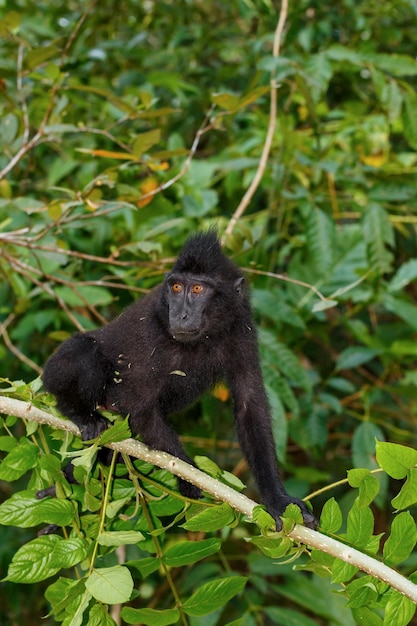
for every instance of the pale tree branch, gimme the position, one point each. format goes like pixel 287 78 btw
pixel 218 490
pixel 245 201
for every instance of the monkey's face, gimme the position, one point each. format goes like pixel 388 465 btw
pixel 188 299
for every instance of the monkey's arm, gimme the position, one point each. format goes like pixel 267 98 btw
pixel 253 424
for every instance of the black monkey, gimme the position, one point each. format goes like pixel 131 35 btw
pixel 163 352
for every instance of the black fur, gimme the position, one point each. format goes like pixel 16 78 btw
pixel 136 364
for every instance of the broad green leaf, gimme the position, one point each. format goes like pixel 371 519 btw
pixel 38 56
pixel 227 101
pixel 408 494
pixel 355 356
pixel 33 562
pixel 360 525
pixel 378 234
pixel 61 593
pixel 81 295
pixel 410 118
pixel 367 483
pixel 213 595
pixel 363 615
pixel 120 537
pixel 396 460
pixel 69 552
pixel 208 466
pixel 290 617
pixel 9 126
pixel 117 432
pixel 145 141
pixel 146 566
pixel 188 552
pixel 150 617
pixel 395 64
pixel 402 538
pixel 406 274
pixel 274 547
pixel 331 517
pixel 405 310
pixel 399 610
pixel 362 595
pixel 18 461
pixel 99 616
pixel 211 519
pixel 111 585
pixel 24 510
pixel 320 240
pixel 342 572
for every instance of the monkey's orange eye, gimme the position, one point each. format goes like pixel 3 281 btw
pixel 177 287
pixel 197 288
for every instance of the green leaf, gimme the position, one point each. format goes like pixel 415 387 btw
pixel 399 610
pixel 363 615
pixel 355 356
pixel 342 571
pixel 274 547
pixel 402 538
pixel 290 617
pixel 33 562
pixel 408 494
pixel 211 519
pixel 213 595
pixel 363 594
pixel 69 552
pixel 38 56
pixel 406 310
pixel 81 295
pixel 18 461
pixel 24 510
pixel 120 537
pixel 99 616
pixel 117 432
pixel 406 274
pixel 188 552
pixel 360 525
pixel 378 234
pixel 331 517
pixel 145 141
pixel 320 240
pixel 208 466
pixel 395 64
pixel 146 566
pixel 367 483
pixel 396 460
pixel 111 585
pixel 150 617
pixel 410 118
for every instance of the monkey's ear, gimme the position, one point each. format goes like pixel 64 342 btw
pixel 238 285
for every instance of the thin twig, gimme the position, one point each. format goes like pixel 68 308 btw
pixel 287 279
pixel 270 131
pixel 9 344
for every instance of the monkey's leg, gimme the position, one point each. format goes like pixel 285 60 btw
pixel 159 435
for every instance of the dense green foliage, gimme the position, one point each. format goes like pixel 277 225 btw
pixel 124 127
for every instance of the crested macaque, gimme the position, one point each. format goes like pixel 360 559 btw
pixel 197 322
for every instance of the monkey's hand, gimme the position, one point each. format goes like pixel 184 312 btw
pixel 308 517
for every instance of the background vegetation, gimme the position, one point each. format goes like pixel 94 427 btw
pixel 124 127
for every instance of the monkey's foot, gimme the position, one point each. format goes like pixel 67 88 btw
pixel 308 517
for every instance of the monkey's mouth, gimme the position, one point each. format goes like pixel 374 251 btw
pixel 186 335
